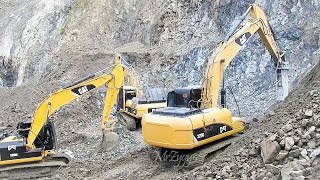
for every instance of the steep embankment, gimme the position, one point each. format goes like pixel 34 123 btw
pixel 29 34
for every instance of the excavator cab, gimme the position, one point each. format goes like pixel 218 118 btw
pixel 45 139
pixel 131 108
pixel 185 97
pixel 13 148
pixel 125 93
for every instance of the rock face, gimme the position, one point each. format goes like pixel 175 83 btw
pixel 169 42
pixel 29 33
pixel 300 145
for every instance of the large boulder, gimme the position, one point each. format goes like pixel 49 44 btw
pixel 269 150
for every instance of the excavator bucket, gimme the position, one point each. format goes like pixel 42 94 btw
pixel 110 140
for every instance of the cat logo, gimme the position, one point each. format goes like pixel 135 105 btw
pixel 83 90
pixel 223 129
pixel 243 39
pixel 12 147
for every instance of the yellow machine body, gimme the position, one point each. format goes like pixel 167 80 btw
pixel 138 110
pixel 188 132
pixel 132 107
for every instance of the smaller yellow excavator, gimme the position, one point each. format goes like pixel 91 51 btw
pixel 192 118
pixel 35 143
pixel 133 103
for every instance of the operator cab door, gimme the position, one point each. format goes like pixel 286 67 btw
pixel 124 95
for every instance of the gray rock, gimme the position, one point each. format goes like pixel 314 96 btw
pixel 282 143
pixel 314 93
pixel 312 144
pixel 225 174
pixel 296 173
pixel 288 168
pixel 311 130
pixel 299 131
pixel 296 139
pixel 306 137
pixel 299 178
pixel 318 136
pixel 314 154
pixel 200 177
pixel 244 176
pixel 273 137
pixel 272 168
pixel 238 152
pixel 307 171
pixel 285 172
pixel 294 147
pixel 266 134
pixel 257 141
pixel 289 142
pixel 294 153
pixel 299 144
pixel 308 113
pixel 281 133
pixel 304 154
pixel 304 122
pixel 290 133
pixel 209 174
pixel 288 127
pixel 282 154
pixel 253 151
pixel 271 113
pixel 269 175
pixel 269 150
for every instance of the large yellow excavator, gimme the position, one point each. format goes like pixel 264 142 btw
pixel 192 118
pixel 35 142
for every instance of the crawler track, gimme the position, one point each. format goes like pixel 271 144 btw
pixel 40 169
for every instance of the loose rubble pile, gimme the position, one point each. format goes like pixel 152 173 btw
pixel 292 151
pixel 283 145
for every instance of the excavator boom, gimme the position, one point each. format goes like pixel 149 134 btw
pixel 234 42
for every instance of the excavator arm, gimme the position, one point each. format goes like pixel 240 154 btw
pixel 65 95
pixel 230 47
